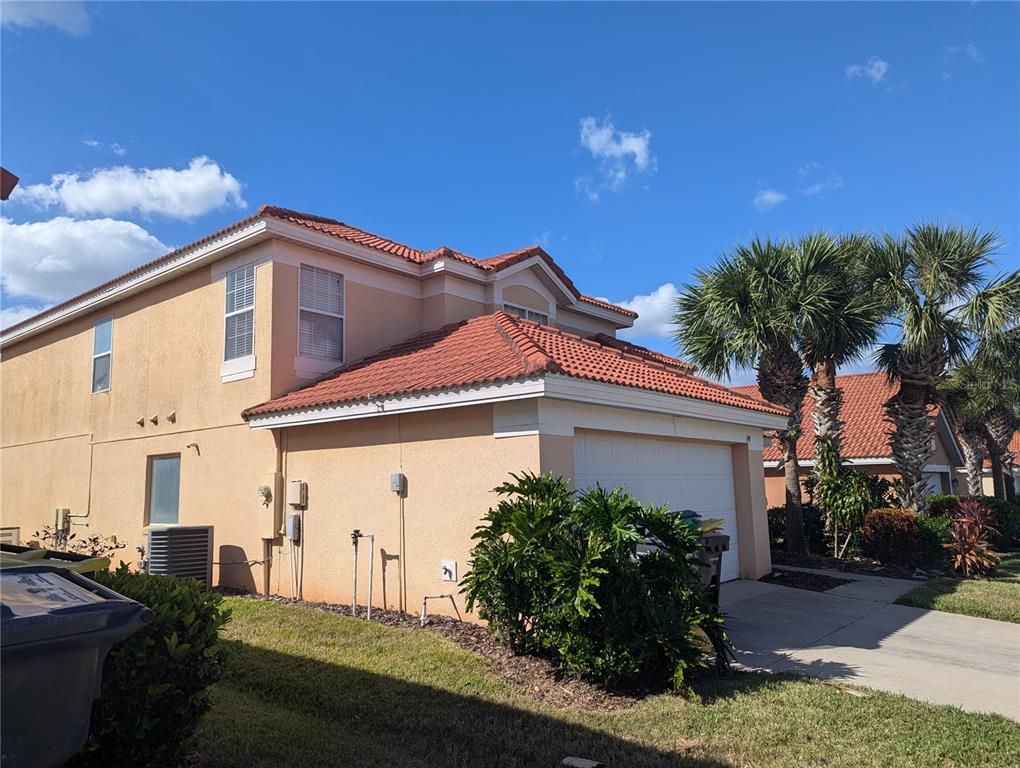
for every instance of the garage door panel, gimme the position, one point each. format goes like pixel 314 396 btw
pixel 664 472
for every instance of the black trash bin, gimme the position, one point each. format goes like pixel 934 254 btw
pixel 56 628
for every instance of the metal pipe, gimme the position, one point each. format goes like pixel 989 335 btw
pixel 354 591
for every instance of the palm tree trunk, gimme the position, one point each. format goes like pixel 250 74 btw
pixel 973 444
pixel 828 400
pixel 918 374
pixel 998 487
pixel 1001 426
pixel 781 380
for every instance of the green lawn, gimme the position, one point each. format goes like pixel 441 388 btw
pixel 306 688
pixel 997 597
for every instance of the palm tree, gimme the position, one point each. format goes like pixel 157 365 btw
pixel 844 323
pixel 741 313
pixel 968 389
pixel 933 281
pixel 999 355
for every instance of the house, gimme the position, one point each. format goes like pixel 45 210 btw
pixel 865 440
pixel 987 483
pixel 289 347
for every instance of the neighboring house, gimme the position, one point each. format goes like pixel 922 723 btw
pixel 865 440
pixel 987 484
pixel 290 347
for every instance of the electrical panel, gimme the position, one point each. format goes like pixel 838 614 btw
pixel 292 529
pixel 297 493
pixel 398 482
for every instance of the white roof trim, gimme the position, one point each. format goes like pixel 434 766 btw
pixel 186 261
pixel 870 462
pixel 267 226
pixel 552 386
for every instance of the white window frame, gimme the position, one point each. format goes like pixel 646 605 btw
pixel 542 318
pixel 243 367
pixel 312 365
pixel 95 356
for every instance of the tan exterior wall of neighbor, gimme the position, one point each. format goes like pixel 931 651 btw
pixel 452 463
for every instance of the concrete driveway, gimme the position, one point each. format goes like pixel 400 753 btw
pixel 854 634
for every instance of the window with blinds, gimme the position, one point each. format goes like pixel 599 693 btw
pixel 527 314
pixel 240 313
pixel 321 331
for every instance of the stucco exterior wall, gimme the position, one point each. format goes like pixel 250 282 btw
pixel 452 463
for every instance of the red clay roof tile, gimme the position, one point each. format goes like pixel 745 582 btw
pixel 496 348
pixel 351 234
pixel 865 430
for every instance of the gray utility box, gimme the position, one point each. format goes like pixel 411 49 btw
pixel 56 628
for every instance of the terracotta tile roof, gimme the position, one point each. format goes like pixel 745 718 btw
pixel 498 348
pixel 1014 448
pixel 351 234
pixel 648 354
pixel 865 430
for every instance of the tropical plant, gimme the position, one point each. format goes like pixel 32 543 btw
pixel 895 536
pixel 742 313
pixel 969 389
pixel 971 550
pixel 843 494
pixel 600 584
pixel 933 281
pixel 841 325
pixel 999 355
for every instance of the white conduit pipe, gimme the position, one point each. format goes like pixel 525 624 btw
pixel 355 535
pixel 425 600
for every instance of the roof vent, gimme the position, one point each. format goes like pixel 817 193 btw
pixel 184 551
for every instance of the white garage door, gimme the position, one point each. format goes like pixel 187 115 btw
pixel 680 475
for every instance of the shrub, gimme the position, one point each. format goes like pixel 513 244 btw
pixel 941 505
pixel 95 545
pixel 562 576
pixel 895 536
pixel 814 528
pixel 156 683
pixel 1006 522
pixel 972 527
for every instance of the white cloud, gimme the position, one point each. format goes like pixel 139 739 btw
pixel 118 149
pixel 875 70
pixel 767 198
pixel 817 179
pixel 70 17
pixel 12 315
pixel 620 154
pixel 953 53
pixel 53 260
pixel 182 194
pixel 655 313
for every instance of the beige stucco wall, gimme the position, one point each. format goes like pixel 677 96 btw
pixel 523 296
pixel 452 463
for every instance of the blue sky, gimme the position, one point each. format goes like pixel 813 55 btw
pixel 634 142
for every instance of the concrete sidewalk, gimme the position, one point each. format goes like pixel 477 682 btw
pixel 858 637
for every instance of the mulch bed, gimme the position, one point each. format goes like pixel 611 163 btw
pixel 536 677
pixel 812 581
pixel 861 565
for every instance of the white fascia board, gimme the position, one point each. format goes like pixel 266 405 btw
pixel 949 438
pixel 552 386
pixel 426 401
pixel 160 273
pixel 598 393
pixel 870 462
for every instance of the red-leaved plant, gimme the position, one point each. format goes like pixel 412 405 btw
pixel 972 526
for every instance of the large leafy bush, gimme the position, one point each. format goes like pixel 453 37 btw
pixel 895 536
pixel 571 578
pixel 814 528
pixel 156 683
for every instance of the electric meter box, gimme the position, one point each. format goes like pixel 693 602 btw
pixel 297 493
pixel 292 529
pixel 398 482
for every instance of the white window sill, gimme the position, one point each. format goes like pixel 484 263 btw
pixel 237 369
pixel 313 367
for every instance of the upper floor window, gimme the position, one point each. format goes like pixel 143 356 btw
pixel 321 331
pixel 240 313
pixel 102 347
pixel 527 314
